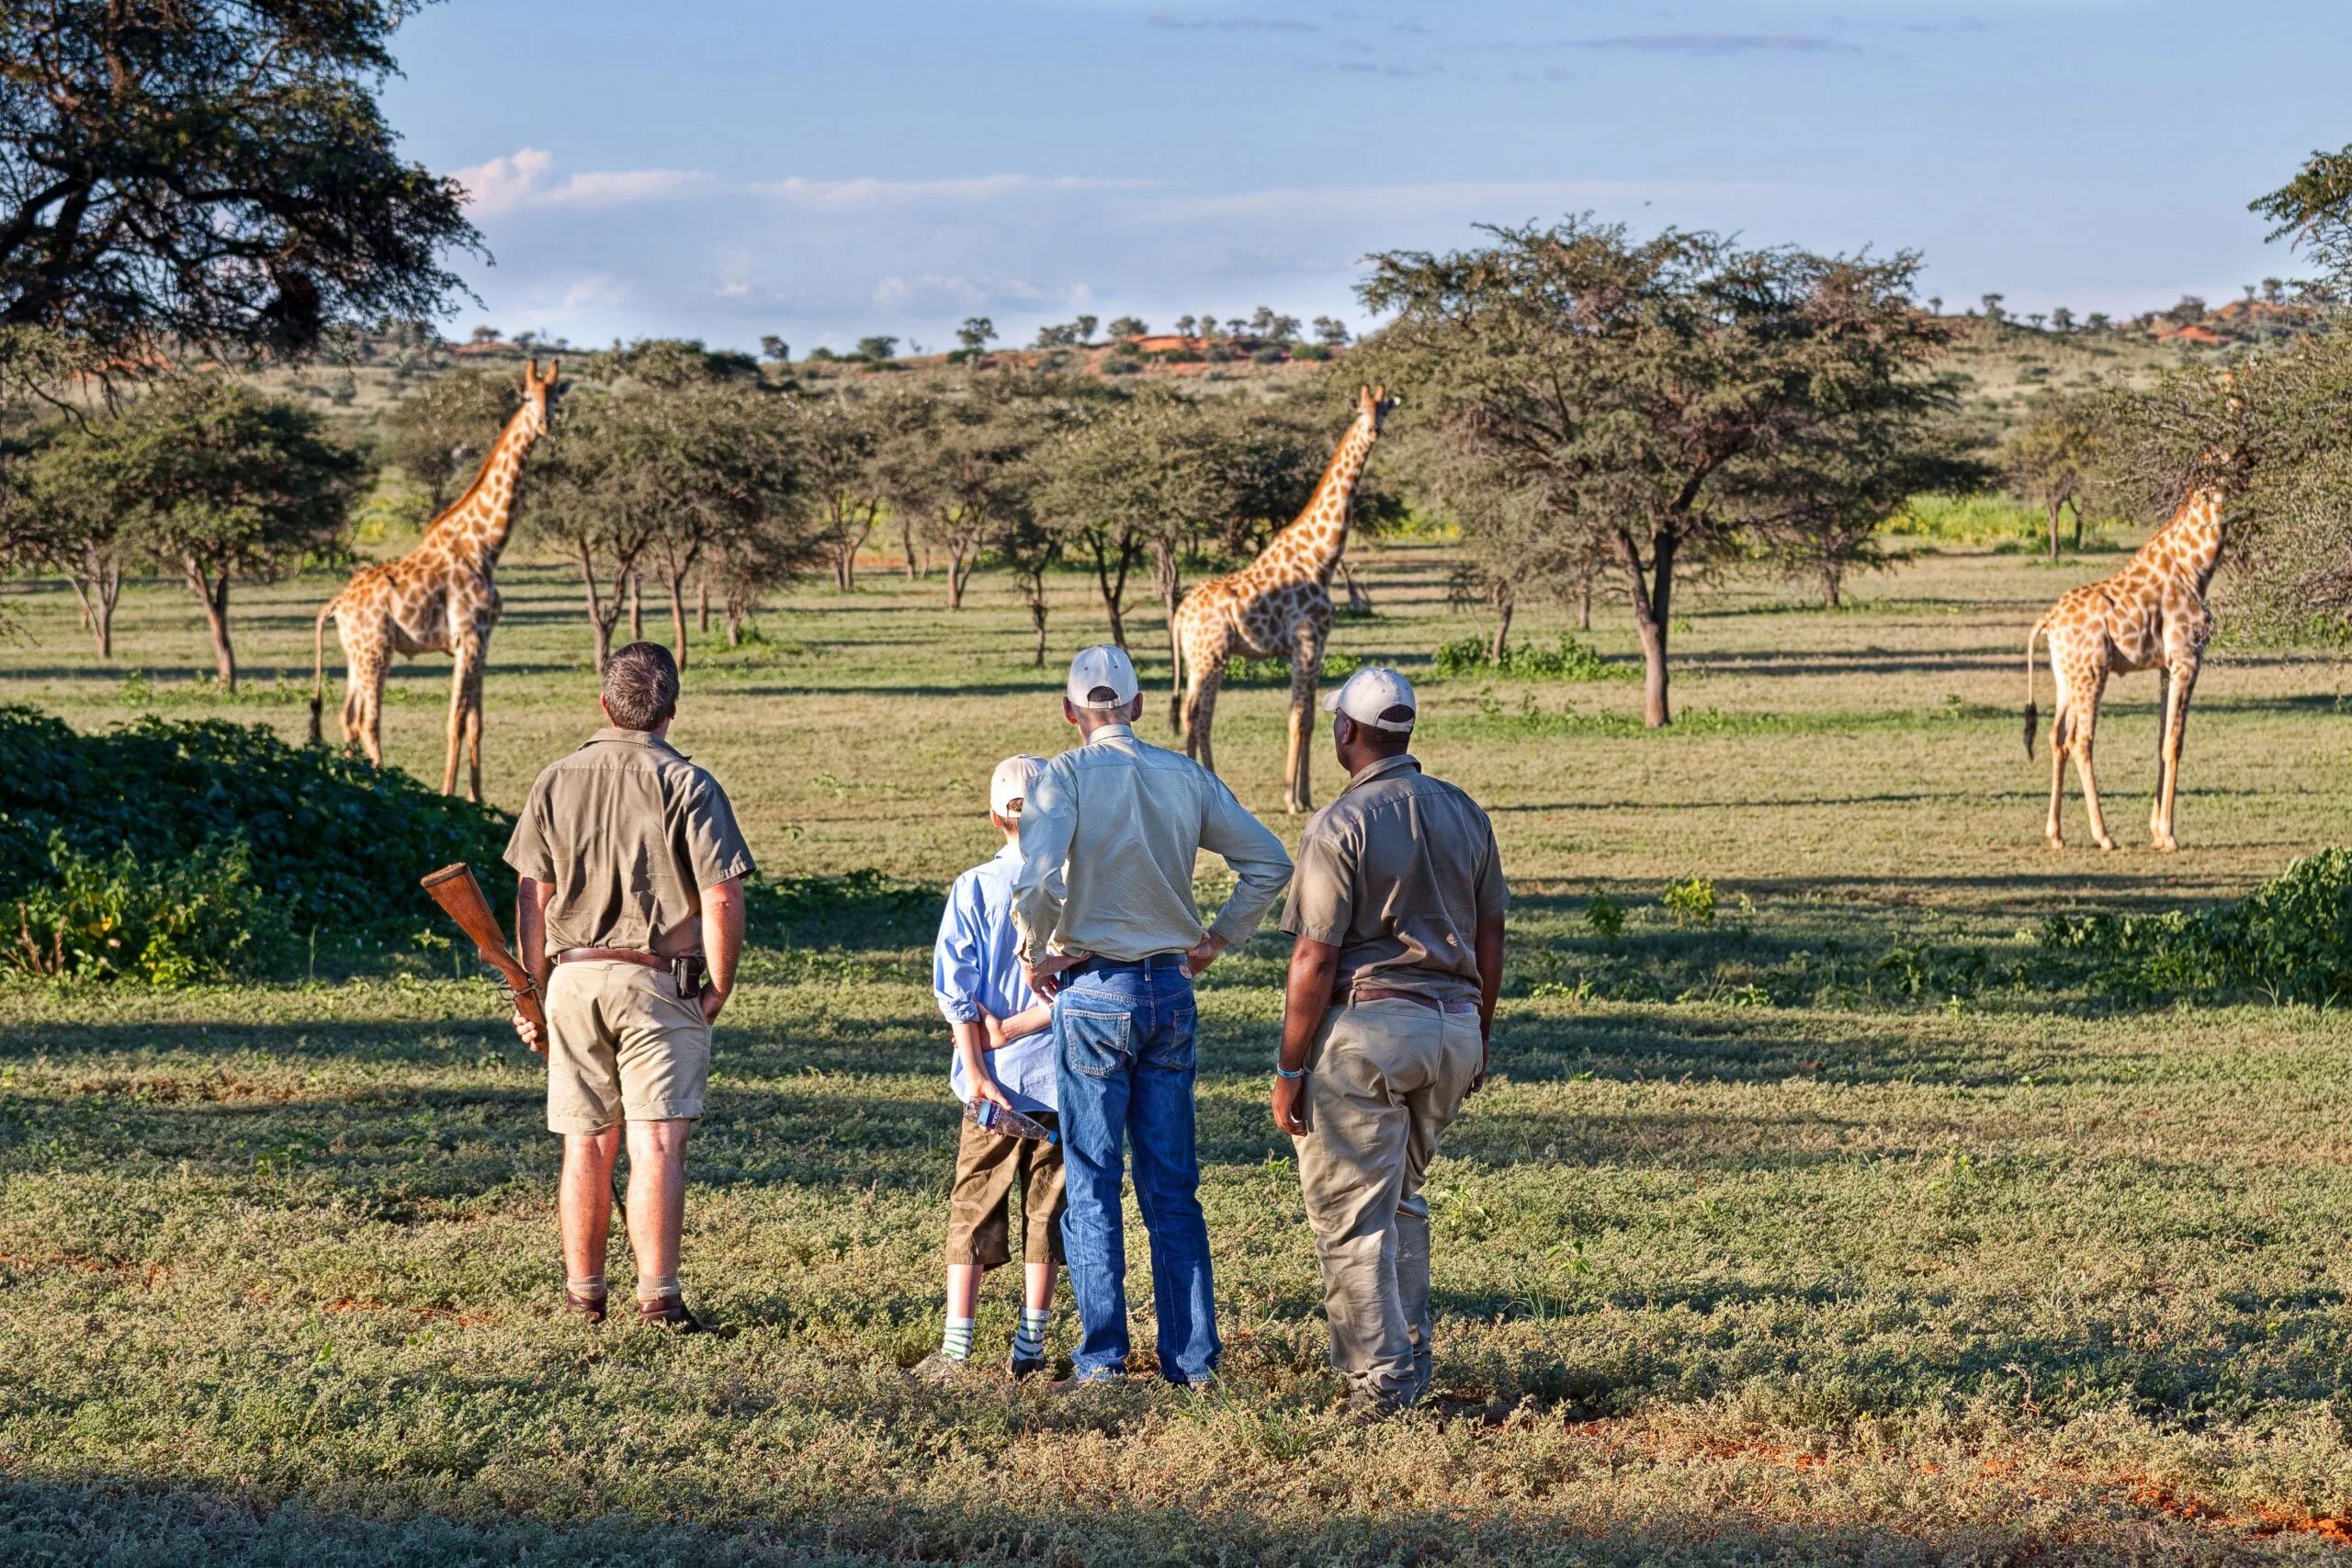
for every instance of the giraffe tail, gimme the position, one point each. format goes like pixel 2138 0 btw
pixel 318 668
pixel 2032 713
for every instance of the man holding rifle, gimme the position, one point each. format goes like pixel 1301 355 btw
pixel 630 916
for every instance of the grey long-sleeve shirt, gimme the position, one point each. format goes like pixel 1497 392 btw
pixel 1127 821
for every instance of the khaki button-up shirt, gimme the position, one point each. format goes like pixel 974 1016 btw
pixel 1396 874
pixel 1127 821
pixel 627 832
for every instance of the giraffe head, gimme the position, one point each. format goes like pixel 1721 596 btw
pixel 539 395
pixel 1375 404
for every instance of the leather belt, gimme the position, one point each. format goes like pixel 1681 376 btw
pixel 1386 994
pixel 1171 960
pixel 621 955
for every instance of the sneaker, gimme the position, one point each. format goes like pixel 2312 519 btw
pixel 940 1368
pixel 1022 1366
pixel 591 1309
pixel 669 1312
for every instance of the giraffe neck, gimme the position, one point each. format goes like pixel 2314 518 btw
pixel 2191 541
pixel 1310 546
pixel 475 528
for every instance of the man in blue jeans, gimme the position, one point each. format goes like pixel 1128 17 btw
pixel 1115 943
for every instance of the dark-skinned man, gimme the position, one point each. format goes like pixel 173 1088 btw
pixel 1397 915
pixel 629 912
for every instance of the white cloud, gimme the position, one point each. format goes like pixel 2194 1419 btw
pixel 600 289
pixel 520 180
pixel 865 192
pixel 1525 197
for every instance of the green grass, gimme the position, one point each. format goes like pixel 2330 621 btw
pixel 1781 1237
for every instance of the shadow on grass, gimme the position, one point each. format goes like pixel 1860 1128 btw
pixel 131 1521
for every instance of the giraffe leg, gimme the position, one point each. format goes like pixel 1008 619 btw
pixel 473 737
pixel 465 670
pixel 366 706
pixel 1305 663
pixel 2177 691
pixel 1201 716
pixel 2083 730
pixel 2052 829
pixel 2164 742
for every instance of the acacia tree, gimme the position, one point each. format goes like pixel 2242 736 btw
pixel 218 482
pixel 960 471
pixel 2050 458
pixel 840 447
pixel 210 172
pixel 63 516
pixel 729 475
pixel 437 435
pixel 592 492
pixel 1127 483
pixel 1643 387
pixel 2314 212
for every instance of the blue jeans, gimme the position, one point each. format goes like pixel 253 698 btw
pixel 1122 1039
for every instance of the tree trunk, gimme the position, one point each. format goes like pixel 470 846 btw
pixel 2055 508
pixel 959 571
pixel 1167 570
pixel 678 618
pixel 2079 525
pixel 1112 582
pixel 600 624
pixel 907 544
pixel 636 608
pixel 1037 619
pixel 109 595
pixel 702 606
pixel 734 614
pixel 1584 602
pixel 214 595
pixel 1359 602
pixel 1504 603
pixel 1653 610
pixel 1830 585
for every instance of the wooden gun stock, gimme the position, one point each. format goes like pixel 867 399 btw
pixel 454 888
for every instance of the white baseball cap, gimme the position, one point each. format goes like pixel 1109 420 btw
pixel 1371 691
pixel 1009 785
pixel 1102 665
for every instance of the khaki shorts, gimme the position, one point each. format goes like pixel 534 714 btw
pixel 980 1211
pixel 623 1046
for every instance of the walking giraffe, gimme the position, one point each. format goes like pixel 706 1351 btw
pixel 1279 603
pixel 2152 615
pixel 438 598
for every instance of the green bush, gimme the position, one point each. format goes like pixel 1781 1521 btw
pixel 1691 901
pixel 194 918
pixel 1572 660
pixel 2288 940
pixel 1275 671
pixel 333 846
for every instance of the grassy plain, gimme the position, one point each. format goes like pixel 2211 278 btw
pixel 1764 1246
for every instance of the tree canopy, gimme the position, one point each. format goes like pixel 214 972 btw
pixel 212 172
pixel 1664 394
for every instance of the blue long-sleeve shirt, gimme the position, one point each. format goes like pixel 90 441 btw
pixel 974 966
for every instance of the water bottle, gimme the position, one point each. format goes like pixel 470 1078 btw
pixel 990 1117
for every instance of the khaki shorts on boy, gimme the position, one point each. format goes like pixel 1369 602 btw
pixel 623 1045
pixel 980 1209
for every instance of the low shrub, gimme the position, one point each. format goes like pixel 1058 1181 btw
pixel 1691 902
pixel 1275 671
pixel 1572 660
pixel 2288 940
pixel 333 846
pixel 194 918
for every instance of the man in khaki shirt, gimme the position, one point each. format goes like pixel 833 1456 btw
pixel 1397 915
pixel 1106 924
pixel 629 912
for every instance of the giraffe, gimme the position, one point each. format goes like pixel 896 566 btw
pixel 2152 615
pixel 1279 603
pixel 438 598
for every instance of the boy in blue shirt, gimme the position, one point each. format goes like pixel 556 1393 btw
pixel 1004 1052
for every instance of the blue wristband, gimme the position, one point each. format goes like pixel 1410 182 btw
pixel 1283 1072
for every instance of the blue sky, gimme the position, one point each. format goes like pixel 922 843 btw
pixel 823 171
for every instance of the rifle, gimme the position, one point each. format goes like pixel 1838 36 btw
pixel 454 888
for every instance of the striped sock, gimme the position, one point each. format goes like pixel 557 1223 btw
pixel 956 1344
pixel 1029 1341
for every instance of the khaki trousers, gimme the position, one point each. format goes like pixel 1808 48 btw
pixel 1386 1078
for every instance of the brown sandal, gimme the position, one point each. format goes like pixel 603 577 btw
pixel 590 1308
pixel 669 1312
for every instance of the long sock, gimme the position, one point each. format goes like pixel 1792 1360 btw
pixel 957 1343
pixel 1029 1340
